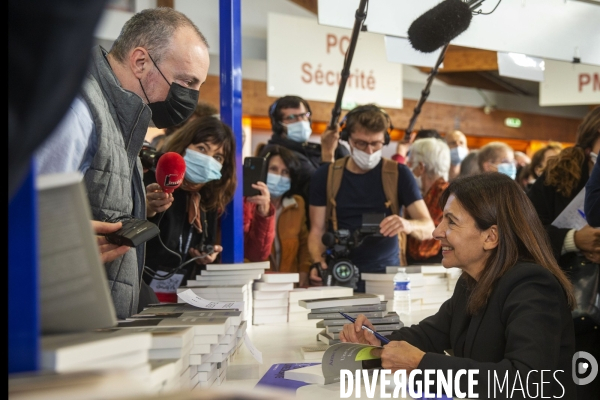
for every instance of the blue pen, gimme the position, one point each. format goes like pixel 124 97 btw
pixel 383 339
pixel 581 213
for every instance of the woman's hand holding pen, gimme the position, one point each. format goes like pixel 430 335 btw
pixel 395 355
pixel 354 333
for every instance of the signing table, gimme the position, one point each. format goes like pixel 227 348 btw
pixel 281 344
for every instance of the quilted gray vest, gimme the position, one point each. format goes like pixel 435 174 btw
pixel 114 180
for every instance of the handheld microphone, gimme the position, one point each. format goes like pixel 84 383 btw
pixel 440 25
pixel 170 170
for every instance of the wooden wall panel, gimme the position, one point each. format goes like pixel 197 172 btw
pixel 443 117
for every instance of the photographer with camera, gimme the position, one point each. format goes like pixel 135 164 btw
pixel 187 218
pixel 345 194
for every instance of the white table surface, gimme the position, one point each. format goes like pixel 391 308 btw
pixel 281 344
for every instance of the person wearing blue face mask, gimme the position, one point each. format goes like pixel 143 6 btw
pixel 188 217
pixel 291 118
pixel 457 142
pixel 497 157
pixel 281 230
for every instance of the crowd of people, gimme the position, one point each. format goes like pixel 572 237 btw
pixel 487 211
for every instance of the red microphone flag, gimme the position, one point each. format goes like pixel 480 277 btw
pixel 170 170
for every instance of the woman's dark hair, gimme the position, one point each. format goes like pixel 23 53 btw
pixel 215 194
pixel 564 170
pixel 291 162
pixel 521 235
pixel 538 157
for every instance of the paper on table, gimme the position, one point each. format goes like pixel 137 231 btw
pixel 572 217
pixel 253 350
pixel 192 298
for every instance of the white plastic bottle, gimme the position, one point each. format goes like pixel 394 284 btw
pixel 402 292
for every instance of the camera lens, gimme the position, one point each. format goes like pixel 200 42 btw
pixel 343 271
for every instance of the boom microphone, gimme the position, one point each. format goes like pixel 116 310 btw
pixel 170 170
pixel 440 25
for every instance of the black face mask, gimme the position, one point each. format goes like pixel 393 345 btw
pixel 176 108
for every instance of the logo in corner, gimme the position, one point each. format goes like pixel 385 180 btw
pixel 583 363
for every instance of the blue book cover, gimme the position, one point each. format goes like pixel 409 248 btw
pixel 275 376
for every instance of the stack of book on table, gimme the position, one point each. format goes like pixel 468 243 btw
pixel 298 313
pixel 326 313
pixel 228 282
pixel 431 285
pixel 216 336
pixel 271 297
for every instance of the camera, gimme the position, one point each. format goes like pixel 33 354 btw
pixel 206 248
pixel 149 157
pixel 340 269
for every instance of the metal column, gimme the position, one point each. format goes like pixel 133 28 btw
pixel 23 288
pixel 230 55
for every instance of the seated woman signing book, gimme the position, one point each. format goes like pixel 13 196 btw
pixel 510 314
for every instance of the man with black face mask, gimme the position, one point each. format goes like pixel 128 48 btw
pixel 153 72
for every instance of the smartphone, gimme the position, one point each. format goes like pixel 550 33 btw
pixel 255 170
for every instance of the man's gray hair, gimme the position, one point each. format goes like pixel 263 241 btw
pixel 152 29
pixel 434 154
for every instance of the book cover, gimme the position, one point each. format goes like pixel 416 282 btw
pixel 239 266
pixel 202 326
pixel 353 314
pixel 339 356
pixel 378 327
pixel 267 287
pixel 382 306
pixel 390 318
pixel 67 352
pixel 235 316
pixel 280 277
pixel 357 299
pixel 274 377
pixel 162 338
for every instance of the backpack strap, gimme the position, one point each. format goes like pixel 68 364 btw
pixel 334 180
pixel 389 178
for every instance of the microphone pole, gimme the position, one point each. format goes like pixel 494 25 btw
pixel 360 16
pixel 424 94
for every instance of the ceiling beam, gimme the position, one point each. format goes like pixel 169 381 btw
pixel 165 3
pixel 310 5
pixel 462 59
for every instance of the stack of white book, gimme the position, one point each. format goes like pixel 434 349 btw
pixel 169 356
pixel 298 313
pixel 333 322
pixel 228 282
pixel 431 285
pixel 326 312
pixel 271 297
pixel 215 337
pixel 96 350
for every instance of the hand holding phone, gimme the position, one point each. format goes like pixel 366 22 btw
pixel 255 170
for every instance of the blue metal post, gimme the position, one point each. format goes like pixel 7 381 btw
pixel 232 232
pixel 23 288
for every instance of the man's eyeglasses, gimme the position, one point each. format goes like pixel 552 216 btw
pixel 362 145
pixel 296 117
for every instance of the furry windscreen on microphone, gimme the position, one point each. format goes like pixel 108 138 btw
pixel 439 25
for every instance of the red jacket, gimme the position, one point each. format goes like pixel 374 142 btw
pixel 259 233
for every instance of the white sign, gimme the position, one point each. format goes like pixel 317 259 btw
pixel 399 50
pixel 550 29
pixel 306 59
pixel 568 84
pixel 192 298
pixel 521 66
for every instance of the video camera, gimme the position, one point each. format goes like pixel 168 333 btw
pixel 340 269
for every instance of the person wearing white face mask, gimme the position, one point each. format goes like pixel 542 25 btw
pixel 367 183
pixel 564 177
pixel 429 161
pixel 188 217
pixel 291 124
pixel 278 232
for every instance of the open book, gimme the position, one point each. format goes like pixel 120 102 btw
pixel 351 356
